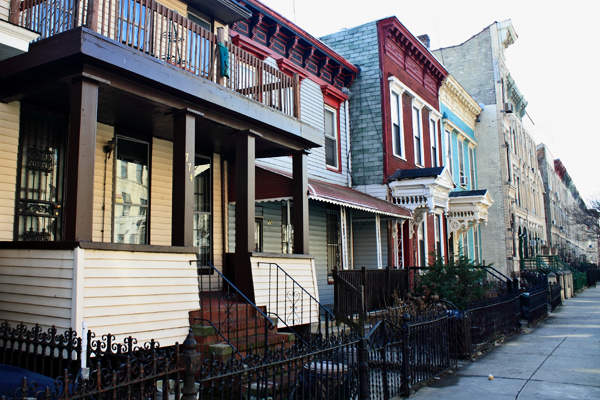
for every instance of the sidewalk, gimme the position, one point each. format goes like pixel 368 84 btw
pixel 558 359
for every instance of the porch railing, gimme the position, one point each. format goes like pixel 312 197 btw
pixel 555 296
pixel 293 305
pixel 151 28
pixel 234 318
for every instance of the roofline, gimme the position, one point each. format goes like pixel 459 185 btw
pixel 307 36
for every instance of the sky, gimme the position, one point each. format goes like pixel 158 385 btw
pixel 553 61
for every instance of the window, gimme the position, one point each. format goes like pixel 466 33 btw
pixel 449 151
pixel 472 167
pixel 131 195
pixel 438 233
pixel 461 160
pixel 331 138
pixel 466 244
pixel 433 138
pixel 397 138
pixel 418 134
pixel 203 209
pixel 41 175
pixel 287 228
pixel 422 229
pixel 334 246
pixel 476 244
pixel 258 235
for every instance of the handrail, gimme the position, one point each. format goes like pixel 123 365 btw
pixel 236 289
pixel 305 291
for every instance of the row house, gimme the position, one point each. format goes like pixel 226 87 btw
pixel 138 136
pixel 341 220
pixel 565 237
pixel 506 160
pixel 396 136
pixel 469 204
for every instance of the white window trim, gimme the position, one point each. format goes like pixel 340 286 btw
pixel 418 105
pixel 449 151
pixel 399 92
pixel 335 137
pixel 433 139
pixel 461 160
pixel 472 167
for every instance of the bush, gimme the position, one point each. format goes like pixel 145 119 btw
pixel 459 282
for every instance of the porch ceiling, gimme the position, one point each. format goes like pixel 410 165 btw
pixel 139 93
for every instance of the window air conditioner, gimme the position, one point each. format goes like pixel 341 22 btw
pixel 464 180
pixel 508 108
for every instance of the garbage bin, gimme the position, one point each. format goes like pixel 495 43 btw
pixel 325 380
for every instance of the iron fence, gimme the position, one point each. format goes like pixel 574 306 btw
pixel 535 303
pixel 555 296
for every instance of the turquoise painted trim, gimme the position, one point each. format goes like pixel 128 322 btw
pixel 456 121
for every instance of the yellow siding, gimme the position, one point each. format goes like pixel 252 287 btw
pixel 217 236
pixel 145 295
pixel 103 176
pixel 178 6
pixel 267 278
pixel 9 145
pixel 36 287
pixel 160 197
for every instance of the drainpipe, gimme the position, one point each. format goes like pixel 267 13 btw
pixel 348 147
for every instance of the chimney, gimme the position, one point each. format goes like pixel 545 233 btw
pixel 425 40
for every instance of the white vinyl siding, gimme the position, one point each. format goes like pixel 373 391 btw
pixel 36 286
pixel 9 140
pixel 146 295
pixel 313 113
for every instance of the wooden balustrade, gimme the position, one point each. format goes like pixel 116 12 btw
pixel 160 32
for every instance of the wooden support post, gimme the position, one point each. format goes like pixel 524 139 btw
pixel 184 154
pixel 296 94
pixel 245 187
pixel 92 15
pixel 378 241
pixel 15 12
pixel 300 196
pixel 81 150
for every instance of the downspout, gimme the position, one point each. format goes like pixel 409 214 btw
pixel 348 143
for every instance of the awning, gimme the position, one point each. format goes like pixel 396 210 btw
pixel 273 184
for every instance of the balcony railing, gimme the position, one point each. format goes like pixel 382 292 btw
pixel 162 33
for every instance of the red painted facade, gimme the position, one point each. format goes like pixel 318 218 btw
pixel 404 57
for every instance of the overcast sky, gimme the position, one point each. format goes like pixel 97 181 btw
pixel 554 60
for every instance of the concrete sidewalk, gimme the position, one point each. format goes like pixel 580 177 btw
pixel 558 359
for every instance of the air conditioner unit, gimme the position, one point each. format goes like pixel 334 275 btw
pixel 553 222
pixel 464 180
pixel 508 108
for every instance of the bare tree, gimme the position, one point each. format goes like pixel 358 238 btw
pixel 588 217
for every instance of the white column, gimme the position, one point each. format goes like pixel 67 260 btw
pixel 378 234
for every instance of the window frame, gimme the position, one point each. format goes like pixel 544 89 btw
pixel 335 138
pixel 210 204
pixel 461 160
pixel 117 190
pixel 418 132
pixel 449 151
pixel 399 115
pixel 433 141
pixel 472 174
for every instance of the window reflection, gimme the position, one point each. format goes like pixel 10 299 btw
pixel 202 209
pixel 131 192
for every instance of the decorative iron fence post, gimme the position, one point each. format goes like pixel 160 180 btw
pixel 363 370
pixel 190 360
pixel 405 361
pixel 384 377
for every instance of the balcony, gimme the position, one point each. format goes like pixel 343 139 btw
pixel 159 32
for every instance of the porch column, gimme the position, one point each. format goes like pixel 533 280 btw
pixel 184 154
pixel 378 241
pixel 245 198
pixel 300 196
pixel 81 148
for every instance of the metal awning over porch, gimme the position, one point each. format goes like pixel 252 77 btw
pixel 274 184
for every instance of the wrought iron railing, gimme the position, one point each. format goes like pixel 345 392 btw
pixel 151 28
pixel 535 303
pixel 234 318
pixel 555 296
pixel 293 305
